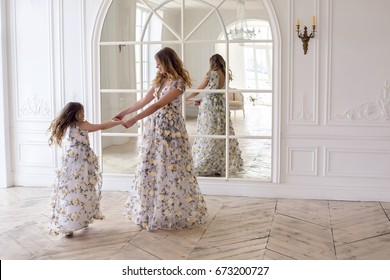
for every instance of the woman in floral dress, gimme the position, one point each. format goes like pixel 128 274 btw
pixel 209 153
pixel 75 201
pixel 165 193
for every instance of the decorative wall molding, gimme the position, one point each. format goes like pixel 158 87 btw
pixel 357 163
pixel 378 110
pixel 84 54
pixel 304 114
pixel 328 54
pixel 30 106
pixel 61 58
pixel 34 154
pixel 337 137
pixel 354 115
pixel 34 106
pixel 302 161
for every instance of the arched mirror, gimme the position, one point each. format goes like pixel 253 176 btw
pixel 238 30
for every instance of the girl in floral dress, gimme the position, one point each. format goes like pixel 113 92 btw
pixel 209 153
pixel 165 193
pixel 75 201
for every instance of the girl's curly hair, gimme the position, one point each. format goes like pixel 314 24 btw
pixel 68 115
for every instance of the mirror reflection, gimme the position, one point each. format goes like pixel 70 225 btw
pixel 134 31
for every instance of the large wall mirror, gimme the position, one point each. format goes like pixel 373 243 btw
pixel 239 30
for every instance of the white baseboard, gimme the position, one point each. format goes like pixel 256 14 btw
pixel 269 190
pixel 244 188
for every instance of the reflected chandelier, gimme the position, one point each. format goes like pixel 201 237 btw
pixel 241 30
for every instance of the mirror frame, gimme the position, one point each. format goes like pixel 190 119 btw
pixel 276 99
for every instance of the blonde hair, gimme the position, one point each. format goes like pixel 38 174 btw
pixel 218 63
pixel 173 67
pixel 67 116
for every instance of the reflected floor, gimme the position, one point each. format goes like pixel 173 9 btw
pixel 256 154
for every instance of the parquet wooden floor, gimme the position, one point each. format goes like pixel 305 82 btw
pixel 238 228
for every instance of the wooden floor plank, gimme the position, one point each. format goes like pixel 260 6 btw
pixel 375 248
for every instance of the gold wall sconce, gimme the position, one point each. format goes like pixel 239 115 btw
pixel 305 37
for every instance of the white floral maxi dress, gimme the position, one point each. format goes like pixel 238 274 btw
pixel 165 192
pixel 209 153
pixel 75 200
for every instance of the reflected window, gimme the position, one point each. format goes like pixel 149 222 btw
pixel 152 33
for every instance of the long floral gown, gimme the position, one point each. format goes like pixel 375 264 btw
pixel 209 153
pixel 165 192
pixel 75 201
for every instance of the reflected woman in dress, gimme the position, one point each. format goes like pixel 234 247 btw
pixel 209 153
pixel 165 193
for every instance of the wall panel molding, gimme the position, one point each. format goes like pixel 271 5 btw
pixel 34 154
pixel 328 60
pixel 33 106
pixel 303 104
pixel 28 91
pixel 361 163
pixel 302 161
pixel 61 55
pixel 338 137
pixel 84 53
pixel 356 95
pixel 377 111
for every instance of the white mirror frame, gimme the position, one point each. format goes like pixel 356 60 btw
pixel 247 187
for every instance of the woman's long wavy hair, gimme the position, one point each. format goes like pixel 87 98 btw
pixel 218 63
pixel 67 116
pixel 173 67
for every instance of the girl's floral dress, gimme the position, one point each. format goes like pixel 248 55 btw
pixel 209 153
pixel 75 200
pixel 165 192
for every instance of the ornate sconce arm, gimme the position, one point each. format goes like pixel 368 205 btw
pixel 305 37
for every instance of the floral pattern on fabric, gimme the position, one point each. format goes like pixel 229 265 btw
pixel 165 193
pixel 210 154
pixel 75 201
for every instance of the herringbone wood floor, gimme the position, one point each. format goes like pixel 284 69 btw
pixel 238 228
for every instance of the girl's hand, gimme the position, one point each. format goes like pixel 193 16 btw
pixel 116 121
pixel 197 103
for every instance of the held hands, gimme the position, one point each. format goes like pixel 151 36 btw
pixel 127 124
pixel 120 116
pixel 117 121
pixel 189 102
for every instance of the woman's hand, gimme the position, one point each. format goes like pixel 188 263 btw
pixel 118 117
pixel 129 123
pixel 197 103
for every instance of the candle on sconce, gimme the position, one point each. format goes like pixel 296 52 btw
pixel 305 36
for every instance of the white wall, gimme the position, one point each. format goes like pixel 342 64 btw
pixel 335 101
pixel 5 175
pixel 335 130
